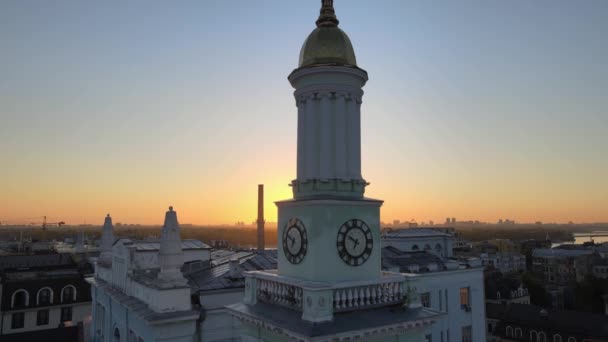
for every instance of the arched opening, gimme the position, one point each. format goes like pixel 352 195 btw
pixel 415 247
pixel 438 247
pixel 427 247
pixel 542 337
pixel 533 336
pixel 44 296
pixel 116 335
pixel 557 338
pixel 68 294
pixel 518 333
pixel 20 299
pixel 571 339
pixel 509 331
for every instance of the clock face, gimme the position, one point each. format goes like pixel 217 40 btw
pixel 295 242
pixel 355 242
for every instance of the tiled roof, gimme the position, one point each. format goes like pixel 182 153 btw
pixel 218 277
pixel 414 233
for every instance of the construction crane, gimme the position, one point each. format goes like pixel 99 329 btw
pixel 44 223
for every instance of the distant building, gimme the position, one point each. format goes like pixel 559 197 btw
pixel 504 262
pixel 522 322
pixel 43 297
pixel 600 268
pixel 561 266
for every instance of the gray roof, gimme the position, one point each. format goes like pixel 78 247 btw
pixel 414 233
pixel 559 253
pixel 291 320
pixel 35 261
pixel 218 277
pixel 394 257
pixel 154 245
pixel 220 257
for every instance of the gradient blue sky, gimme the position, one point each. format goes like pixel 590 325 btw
pixel 474 109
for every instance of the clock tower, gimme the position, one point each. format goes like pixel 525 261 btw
pixel 329 285
pixel 329 231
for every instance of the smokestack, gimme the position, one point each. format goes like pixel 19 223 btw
pixel 260 220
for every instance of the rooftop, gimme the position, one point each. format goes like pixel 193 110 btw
pixel 8 262
pixel 559 253
pixel 414 233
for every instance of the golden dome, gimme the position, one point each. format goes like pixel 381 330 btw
pixel 327 44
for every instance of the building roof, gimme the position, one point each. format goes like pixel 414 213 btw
pixel 393 257
pixel 8 262
pixel 290 321
pixel 219 277
pixel 559 253
pixel 414 233
pixel 154 245
pixel 563 321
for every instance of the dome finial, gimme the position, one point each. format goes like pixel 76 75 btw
pixel 327 17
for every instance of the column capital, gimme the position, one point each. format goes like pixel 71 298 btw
pixel 325 94
pixel 344 94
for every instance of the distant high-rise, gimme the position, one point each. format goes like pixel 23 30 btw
pixel 260 220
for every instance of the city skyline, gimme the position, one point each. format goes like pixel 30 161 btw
pixel 473 110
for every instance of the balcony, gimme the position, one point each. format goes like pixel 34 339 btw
pixel 319 301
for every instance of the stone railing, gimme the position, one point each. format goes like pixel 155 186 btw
pixel 367 296
pixel 318 301
pixel 274 292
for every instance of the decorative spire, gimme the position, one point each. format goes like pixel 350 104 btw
pixel 327 17
pixel 107 240
pixel 170 255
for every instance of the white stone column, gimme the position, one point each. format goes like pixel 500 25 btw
pixel 341 144
pixel 354 137
pixel 301 104
pixel 311 160
pixel 325 135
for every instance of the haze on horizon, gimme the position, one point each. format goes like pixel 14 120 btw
pixel 474 109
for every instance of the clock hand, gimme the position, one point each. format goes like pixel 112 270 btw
pixel 356 241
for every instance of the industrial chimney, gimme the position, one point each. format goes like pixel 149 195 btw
pixel 260 220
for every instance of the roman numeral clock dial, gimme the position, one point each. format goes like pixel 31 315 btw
pixel 355 242
pixel 295 241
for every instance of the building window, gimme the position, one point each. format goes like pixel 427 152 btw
pixel 428 338
pixel 45 296
pixel 571 339
pixel 440 300
pixel 68 294
pixel 490 329
pixel 466 333
pixel 464 298
pixel 42 317
pixel 20 299
pixel 557 338
pixel 542 337
pixel 415 247
pixel 438 248
pixel 518 333
pixel 425 299
pixel 66 314
pixel 427 247
pixel 116 335
pixel 17 320
pixel 509 331
pixel 533 336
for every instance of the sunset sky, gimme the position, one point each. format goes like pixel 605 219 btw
pixel 473 109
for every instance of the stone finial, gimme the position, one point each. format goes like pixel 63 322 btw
pixel 327 17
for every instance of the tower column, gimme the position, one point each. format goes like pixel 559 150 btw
pixel 354 130
pixel 341 149
pixel 311 160
pixel 301 103
pixel 326 139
